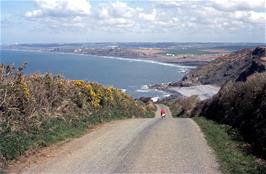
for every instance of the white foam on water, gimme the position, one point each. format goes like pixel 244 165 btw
pixel 155 99
pixel 150 61
pixel 159 93
pixel 166 95
pixel 146 89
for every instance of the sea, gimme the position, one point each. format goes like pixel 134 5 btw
pixel 133 76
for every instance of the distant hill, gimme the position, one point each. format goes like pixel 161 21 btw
pixel 236 66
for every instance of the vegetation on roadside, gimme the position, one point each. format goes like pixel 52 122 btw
pixel 236 123
pixel 242 105
pixel 39 109
pixel 182 106
pixel 230 149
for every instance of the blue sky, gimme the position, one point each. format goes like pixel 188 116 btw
pixel 39 21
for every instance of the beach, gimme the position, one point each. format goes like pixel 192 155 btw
pixel 202 91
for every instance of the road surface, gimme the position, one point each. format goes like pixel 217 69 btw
pixel 135 146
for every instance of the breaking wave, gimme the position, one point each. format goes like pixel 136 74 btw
pixel 150 61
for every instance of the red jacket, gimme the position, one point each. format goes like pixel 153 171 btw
pixel 162 111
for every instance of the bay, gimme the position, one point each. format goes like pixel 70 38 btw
pixel 131 75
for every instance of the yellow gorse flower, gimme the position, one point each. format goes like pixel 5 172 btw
pixel 25 89
pixel 88 89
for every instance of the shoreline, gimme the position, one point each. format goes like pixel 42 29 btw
pixel 202 91
pixel 188 64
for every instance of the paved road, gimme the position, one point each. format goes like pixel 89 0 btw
pixel 135 146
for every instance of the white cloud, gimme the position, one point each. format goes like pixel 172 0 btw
pixel 257 17
pixel 148 16
pixel 60 8
pixel 119 22
pixel 116 10
pixel 173 3
pixel 117 14
pixel 231 5
pixel 121 9
pixel 34 13
pixel 154 16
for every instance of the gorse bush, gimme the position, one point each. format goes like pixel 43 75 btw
pixel 243 106
pixel 39 109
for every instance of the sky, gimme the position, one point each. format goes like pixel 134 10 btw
pixel 64 21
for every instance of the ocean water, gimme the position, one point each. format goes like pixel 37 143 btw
pixel 131 75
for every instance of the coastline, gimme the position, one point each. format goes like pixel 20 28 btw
pixel 186 65
pixel 202 91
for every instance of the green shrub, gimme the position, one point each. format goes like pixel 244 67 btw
pixel 243 106
pixel 182 106
pixel 37 110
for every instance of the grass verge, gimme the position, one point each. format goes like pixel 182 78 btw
pixel 231 151
pixel 53 131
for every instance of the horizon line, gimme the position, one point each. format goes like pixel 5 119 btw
pixel 218 42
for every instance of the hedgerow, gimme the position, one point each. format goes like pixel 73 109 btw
pixel 40 109
pixel 243 106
